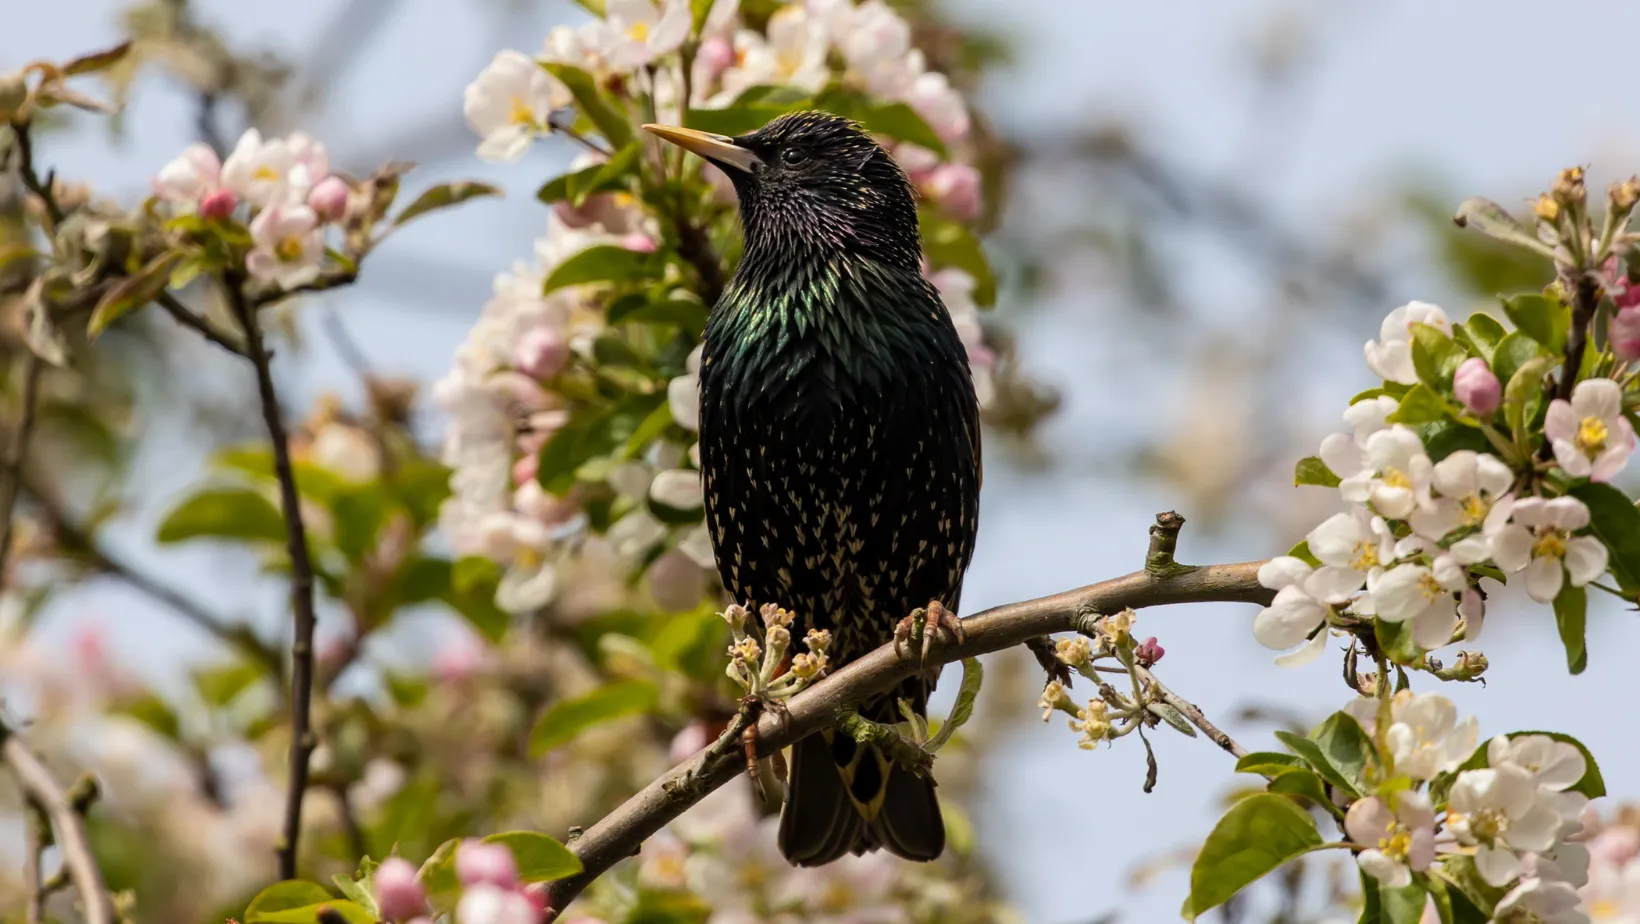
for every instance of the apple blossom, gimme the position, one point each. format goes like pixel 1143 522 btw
pixel 399 893
pixel 793 53
pixel 1148 652
pixel 1624 332
pixel 940 105
pixel 541 352
pixel 1477 387
pixel 1395 476
pixel 1471 489
pixel 1591 437
pixel 287 246
pixel 509 103
pixel 1501 813
pixel 636 32
pixel 1296 614
pixel 1538 539
pixel 190 177
pixel 490 864
pixel 638 242
pixel 678 488
pixel 1424 738
pixel 218 205
pixel 956 187
pixel 1399 841
pixel 488 904
pixel 1425 595
pixel 328 198
pixel 1351 547
pixel 1390 356
pixel 1553 765
pixel 274 172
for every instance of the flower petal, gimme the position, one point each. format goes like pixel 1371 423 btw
pixel 1586 559
pixel 1496 866
pixel 1303 655
pixel 1543 578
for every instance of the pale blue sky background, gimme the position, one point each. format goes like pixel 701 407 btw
pixel 1498 96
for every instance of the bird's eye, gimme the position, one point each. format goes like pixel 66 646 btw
pixel 791 157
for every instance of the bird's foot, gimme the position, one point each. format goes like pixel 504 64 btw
pixel 921 627
pixel 752 708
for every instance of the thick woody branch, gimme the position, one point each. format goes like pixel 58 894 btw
pixel 620 833
pixel 41 791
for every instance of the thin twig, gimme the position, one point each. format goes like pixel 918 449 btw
pixel 33 369
pixel 31 176
pixel 1585 299
pixel 194 322
pixel 1191 712
pixel 621 832
pixel 325 283
pixel 39 837
pixel 43 792
pixel 301 578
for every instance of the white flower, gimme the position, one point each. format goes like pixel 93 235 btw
pixel 1553 765
pixel 522 543
pixel 1346 453
pixel 1538 539
pixel 876 43
pixel 1424 595
pixel 1591 437
pixel 1470 485
pixel 683 393
pixel 793 54
pixel 509 103
pixel 697 544
pixel 1390 356
pixel 678 488
pixel 1295 615
pixel 191 175
pixel 1395 477
pixel 636 32
pixel 1500 811
pixel 1351 547
pixel 266 173
pixel 940 105
pixel 1540 900
pixel 287 246
pixel 1425 738
pixel 487 904
pixel 1398 842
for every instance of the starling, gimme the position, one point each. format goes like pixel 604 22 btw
pixel 840 446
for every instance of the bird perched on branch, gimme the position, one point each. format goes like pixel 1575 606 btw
pixel 840 446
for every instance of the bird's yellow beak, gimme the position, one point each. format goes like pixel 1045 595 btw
pixel 719 149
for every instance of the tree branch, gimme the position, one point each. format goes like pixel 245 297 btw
pixel 621 832
pixel 301 578
pixel 31 177
pixel 194 322
pixel 33 369
pixel 40 790
pixel 1192 713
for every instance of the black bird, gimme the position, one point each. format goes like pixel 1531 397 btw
pixel 840 445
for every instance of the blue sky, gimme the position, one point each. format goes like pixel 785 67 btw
pixel 1481 93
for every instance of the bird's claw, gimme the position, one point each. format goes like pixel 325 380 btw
pixel 935 620
pixel 751 708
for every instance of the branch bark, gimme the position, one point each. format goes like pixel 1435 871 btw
pixel 621 832
pixel 33 369
pixel 1192 713
pixel 42 791
pixel 301 577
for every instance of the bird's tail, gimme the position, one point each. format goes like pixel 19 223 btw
pixel 844 797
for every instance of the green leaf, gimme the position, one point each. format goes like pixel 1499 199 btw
pixel 221 685
pixel 1524 387
pixel 1399 906
pixel 1492 220
pixel 133 292
pixel 567 718
pixel 1484 333
pixel 539 857
pixel 358 515
pixel 951 243
pixel 739 118
pixel 774 94
pixel 309 914
pixel 698 11
pixel 1614 519
pixel 153 712
pixel 972 676
pixel 1257 835
pixel 224 513
pixel 1443 438
pixel 1311 470
pixel 1571 616
pixel 438 871
pixel 96 61
pixel 443 196
pixel 1467 887
pixel 589 435
pixel 595 7
pixel 691 644
pixel 1420 405
pixel 1513 351
pixel 1543 319
pixel 1268 763
pixel 1435 355
pixel 690 316
pixel 609 176
pixel 1302 553
pixel 612 123
pixel 283 896
pixel 361 890
pixel 474 572
pixel 606 263
pixel 1347 747
pixel 648 429
pixel 1592 784
pixel 1305 784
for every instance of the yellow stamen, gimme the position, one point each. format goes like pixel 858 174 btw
pixel 520 112
pixel 1591 435
pixel 288 250
pixel 1550 545
pixel 265 172
pixel 1472 510
pixel 638 32
pixel 1430 588
pixel 1366 556
pixel 1397 845
pixel 1396 478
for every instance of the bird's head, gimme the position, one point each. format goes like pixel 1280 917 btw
pixel 815 182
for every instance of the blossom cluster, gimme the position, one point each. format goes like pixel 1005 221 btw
pixel 1427 519
pixel 526 373
pixel 1517 816
pixel 287 187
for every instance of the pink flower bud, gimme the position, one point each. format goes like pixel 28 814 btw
pixel 1624 332
pixel 714 57
pixel 328 199
pixel 956 187
pixel 536 892
pixel 541 353
pixel 1148 652
pixel 490 864
pixel 638 242
pixel 399 895
pixel 217 205
pixel 459 660
pixel 1477 387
